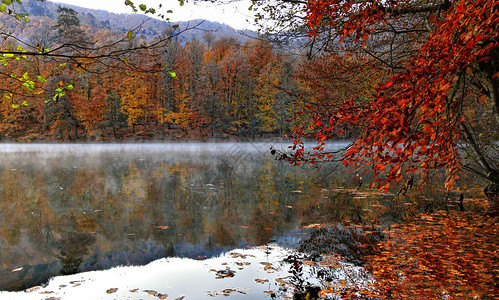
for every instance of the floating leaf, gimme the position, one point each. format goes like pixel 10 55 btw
pixel 261 280
pixel 112 290
pixel 151 292
pixel 46 292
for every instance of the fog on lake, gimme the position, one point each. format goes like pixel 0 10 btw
pixel 70 208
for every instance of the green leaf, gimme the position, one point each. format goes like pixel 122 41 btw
pixel 7 2
pixel 175 26
pixel 15 106
pixel 70 87
pixel 129 35
pixel 181 2
pixel 142 7
pixel 25 103
pixel 169 11
pixel 9 55
pixel 2 7
pixel 19 1
pixel 172 74
pixel 42 79
pixel 62 65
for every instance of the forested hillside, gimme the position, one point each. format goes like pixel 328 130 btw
pixel 104 76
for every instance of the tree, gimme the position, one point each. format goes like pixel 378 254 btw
pixel 441 59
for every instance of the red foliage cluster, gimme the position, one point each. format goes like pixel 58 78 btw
pixel 415 119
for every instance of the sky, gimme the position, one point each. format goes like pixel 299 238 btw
pixel 235 14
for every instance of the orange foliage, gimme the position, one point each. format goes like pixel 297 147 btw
pixel 415 120
pixel 438 257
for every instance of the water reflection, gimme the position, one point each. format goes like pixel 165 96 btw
pixel 65 210
pixel 71 208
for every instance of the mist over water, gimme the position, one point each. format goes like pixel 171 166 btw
pixel 70 208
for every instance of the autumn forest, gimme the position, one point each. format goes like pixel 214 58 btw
pixel 392 107
pixel 211 87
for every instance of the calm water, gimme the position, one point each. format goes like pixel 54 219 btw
pixel 71 208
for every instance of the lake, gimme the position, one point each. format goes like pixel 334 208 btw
pixel 223 211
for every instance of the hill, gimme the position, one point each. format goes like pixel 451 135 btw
pixel 101 19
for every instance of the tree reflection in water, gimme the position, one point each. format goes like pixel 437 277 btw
pixel 73 248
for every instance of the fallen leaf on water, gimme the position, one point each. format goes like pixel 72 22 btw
pixel 265 263
pixel 228 291
pixel 46 292
pixel 236 255
pixel 268 268
pixel 151 292
pixel 180 298
pixel 32 289
pixel 269 292
pixel 315 226
pixel 134 291
pixel 261 280
pixel 225 273
pixel 110 291
pixel 162 296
